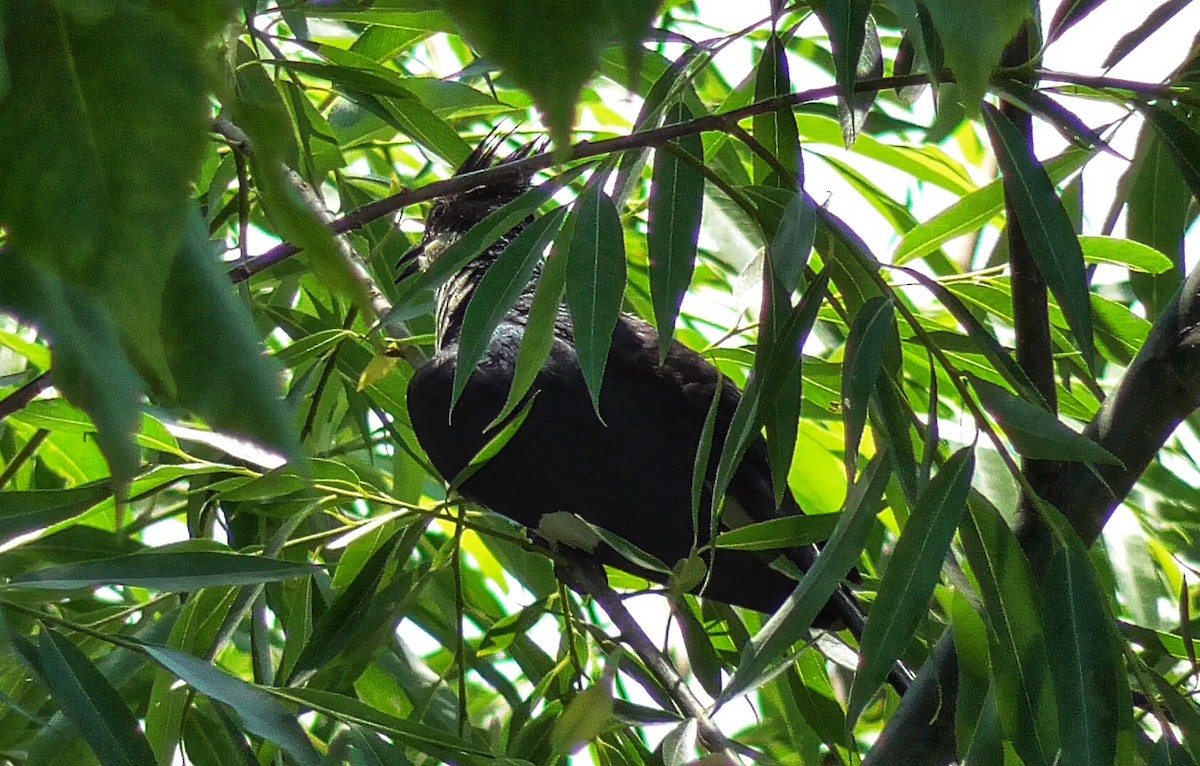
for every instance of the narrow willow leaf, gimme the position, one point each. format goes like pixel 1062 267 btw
pixel 1016 638
pixel 911 575
pixel 345 615
pixel 494 444
pixel 1125 252
pixel 538 338
pixel 676 203
pixel 172 571
pixel 496 294
pixel 22 512
pixel 1084 655
pixel 90 365
pixel 766 653
pixel 873 326
pixel 776 131
pixel 778 534
pixel 1183 142
pixel 1036 432
pixel 846 22
pixel 1182 710
pixel 1154 21
pixel 259 711
pixel 1069 14
pixel 215 351
pixel 793 241
pixel 1158 199
pixel 974 210
pixel 439 743
pixel 91 703
pixel 1046 227
pixel 1066 122
pixel 595 282
pixel 703 659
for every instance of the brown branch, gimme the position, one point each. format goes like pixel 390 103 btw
pixel 590 580
pixel 17 400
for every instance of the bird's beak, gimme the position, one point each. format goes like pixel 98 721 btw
pixel 410 263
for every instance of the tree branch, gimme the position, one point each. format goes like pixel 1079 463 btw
pixel 590 580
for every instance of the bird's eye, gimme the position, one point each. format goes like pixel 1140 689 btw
pixel 436 214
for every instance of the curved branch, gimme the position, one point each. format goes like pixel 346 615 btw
pixel 1159 391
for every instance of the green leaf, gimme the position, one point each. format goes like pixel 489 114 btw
pixel 911 575
pixel 98 145
pixel 973 37
pixel 583 719
pixel 793 241
pixel 1035 431
pixel 1084 654
pixel 1045 226
pixel 215 352
pixel 538 337
pixel 260 712
pixel 1181 140
pixel 22 512
pixel 974 210
pixel 676 203
pixel 91 703
pixel 548 48
pixel 776 131
pixel 595 282
pixel 181 571
pixel 768 650
pixel 1158 200
pixel 439 743
pixel 873 327
pixel 778 534
pixel 846 23
pixel 497 292
pixel 1125 252
pixel 90 365
pixel 1016 643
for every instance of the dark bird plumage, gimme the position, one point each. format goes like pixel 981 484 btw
pixel 629 472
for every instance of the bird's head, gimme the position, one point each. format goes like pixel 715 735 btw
pixel 454 215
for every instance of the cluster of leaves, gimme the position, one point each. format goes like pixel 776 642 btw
pixel 139 548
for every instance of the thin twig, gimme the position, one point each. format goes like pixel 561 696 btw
pixel 19 399
pixel 590 580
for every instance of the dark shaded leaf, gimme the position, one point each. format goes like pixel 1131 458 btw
pixel 497 292
pixel 1154 21
pixel 874 325
pixel 847 22
pixel 1046 226
pixel 91 703
pixel 167 571
pixel 1036 432
pixel 776 131
pixel 676 203
pixel 90 365
pixel 22 512
pixel 911 575
pixel 1020 673
pixel 259 711
pixel 767 652
pixel 1069 14
pixel 595 282
pixel 1084 657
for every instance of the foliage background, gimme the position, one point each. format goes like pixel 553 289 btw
pixel 339 608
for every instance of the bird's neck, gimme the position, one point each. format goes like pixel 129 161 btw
pixel 455 295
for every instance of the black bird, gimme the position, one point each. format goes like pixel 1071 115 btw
pixel 629 473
